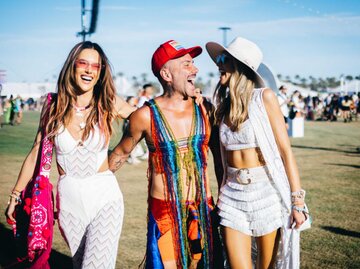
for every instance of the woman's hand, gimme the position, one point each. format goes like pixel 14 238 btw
pixel 198 96
pixel 9 212
pixel 297 218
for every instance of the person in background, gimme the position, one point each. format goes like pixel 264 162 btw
pixel 261 195
pixel 284 101
pixel 138 151
pixel 18 110
pixel 146 95
pixel 346 105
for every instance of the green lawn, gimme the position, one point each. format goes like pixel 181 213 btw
pixel 329 164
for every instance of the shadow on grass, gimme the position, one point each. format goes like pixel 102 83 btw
pixel 341 231
pixel 8 253
pixel 355 151
pixel 346 165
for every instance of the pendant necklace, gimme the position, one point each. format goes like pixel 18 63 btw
pixel 79 112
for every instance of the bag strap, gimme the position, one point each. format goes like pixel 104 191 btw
pixel 47 145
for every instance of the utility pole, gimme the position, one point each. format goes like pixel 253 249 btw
pixel 224 29
pixel 83 19
pixel 94 14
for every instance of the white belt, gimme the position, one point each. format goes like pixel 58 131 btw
pixel 245 176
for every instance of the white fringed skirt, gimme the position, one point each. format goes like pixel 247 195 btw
pixel 249 202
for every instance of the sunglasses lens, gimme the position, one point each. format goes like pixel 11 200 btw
pixel 95 66
pixel 82 64
pixel 221 59
pixel 85 64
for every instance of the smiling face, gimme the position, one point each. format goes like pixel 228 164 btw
pixel 181 74
pixel 87 69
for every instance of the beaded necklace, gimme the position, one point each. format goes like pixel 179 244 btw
pixel 79 112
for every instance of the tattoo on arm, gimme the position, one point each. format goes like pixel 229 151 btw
pixel 116 161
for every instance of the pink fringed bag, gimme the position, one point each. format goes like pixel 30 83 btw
pixel 35 215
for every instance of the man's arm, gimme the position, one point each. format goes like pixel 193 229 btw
pixel 133 134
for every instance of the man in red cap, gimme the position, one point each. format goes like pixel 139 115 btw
pixel 178 133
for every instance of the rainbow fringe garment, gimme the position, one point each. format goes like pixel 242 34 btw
pixel 167 160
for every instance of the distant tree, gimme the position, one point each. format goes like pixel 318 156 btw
pixel 303 82
pixel 144 77
pixel 136 83
pixel 349 78
pixel 279 76
pixel 199 83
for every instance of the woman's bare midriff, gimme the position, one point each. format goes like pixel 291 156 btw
pixel 245 158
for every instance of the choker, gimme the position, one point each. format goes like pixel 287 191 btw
pixel 80 108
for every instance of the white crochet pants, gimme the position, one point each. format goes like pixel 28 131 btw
pixel 91 213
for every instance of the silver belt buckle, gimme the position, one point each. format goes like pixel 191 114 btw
pixel 238 176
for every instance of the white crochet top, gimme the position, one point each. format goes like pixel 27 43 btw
pixel 80 158
pixel 242 139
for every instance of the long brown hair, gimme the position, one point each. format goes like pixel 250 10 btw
pixel 234 102
pixel 102 103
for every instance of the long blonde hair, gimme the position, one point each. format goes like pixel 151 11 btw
pixel 234 102
pixel 102 104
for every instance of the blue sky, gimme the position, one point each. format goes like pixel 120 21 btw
pixel 319 38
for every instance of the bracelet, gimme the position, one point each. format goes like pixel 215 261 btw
pixel 15 190
pixel 16 197
pixel 299 194
pixel 299 209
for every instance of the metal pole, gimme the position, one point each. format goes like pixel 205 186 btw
pixel 83 14
pixel 224 29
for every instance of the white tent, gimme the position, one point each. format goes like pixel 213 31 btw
pixel 26 90
pixel 124 87
pixel 352 86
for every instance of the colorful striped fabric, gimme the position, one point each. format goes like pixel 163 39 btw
pixel 168 158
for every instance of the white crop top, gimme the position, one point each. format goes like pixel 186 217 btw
pixel 80 159
pixel 242 139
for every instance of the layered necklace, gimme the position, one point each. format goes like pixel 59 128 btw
pixel 79 112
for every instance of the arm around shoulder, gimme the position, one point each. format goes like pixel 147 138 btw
pixel 123 109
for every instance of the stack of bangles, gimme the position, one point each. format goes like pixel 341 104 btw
pixel 298 201
pixel 16 195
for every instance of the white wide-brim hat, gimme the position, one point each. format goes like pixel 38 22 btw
pixel 244 51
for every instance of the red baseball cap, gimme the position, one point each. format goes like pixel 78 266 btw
pixel 171 50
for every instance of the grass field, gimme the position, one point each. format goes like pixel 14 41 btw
pixel 329 164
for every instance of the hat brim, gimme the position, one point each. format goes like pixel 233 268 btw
pixel 193 51
pixel 214 49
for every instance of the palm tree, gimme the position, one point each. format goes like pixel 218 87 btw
pixel 144 77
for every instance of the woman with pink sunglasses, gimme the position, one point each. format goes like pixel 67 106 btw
pixel 89 200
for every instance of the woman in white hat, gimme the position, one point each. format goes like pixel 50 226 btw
pixel 261 195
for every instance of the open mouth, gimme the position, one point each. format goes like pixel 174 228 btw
pixel 191 80
pixel 86 78
pixel 222 72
